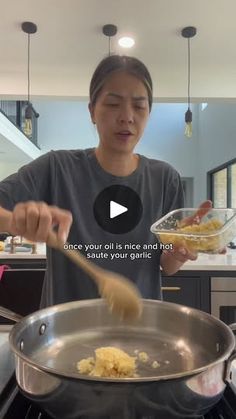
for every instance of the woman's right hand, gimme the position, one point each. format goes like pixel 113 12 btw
pixel 35 220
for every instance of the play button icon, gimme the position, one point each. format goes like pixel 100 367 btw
pixel 118 209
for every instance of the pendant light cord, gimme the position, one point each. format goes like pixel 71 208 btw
pixel 189 73
pixel 28 70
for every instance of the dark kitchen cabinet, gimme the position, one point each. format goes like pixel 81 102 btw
pixel 188 289
pixel 21 288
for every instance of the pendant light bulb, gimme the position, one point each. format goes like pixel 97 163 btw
pixel 28 129
pixel 188 130
pixel 29 28
pixel 188 32
pixel 188 123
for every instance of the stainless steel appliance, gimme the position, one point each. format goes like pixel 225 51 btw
pixel 223 298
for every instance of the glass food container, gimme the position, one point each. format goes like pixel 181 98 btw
pixel 207 234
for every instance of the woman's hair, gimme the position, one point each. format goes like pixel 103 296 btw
pixel 116 63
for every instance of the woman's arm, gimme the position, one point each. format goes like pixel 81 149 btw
pixel 172 260
pixel 5 220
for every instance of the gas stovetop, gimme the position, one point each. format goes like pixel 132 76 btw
pixel 14 405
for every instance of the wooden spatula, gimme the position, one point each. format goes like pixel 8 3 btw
pixel 120 293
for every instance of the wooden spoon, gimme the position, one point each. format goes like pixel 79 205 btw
pixel 121 294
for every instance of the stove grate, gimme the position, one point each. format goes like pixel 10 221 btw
pixel 22 408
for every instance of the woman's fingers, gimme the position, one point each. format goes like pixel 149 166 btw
pixel 192 255
pixel 18 225
pixel 63 219
pixel 29 222
pixel 181 254
pixel 34 221
pixel 39 221
pixel 223 251
pixel 5 220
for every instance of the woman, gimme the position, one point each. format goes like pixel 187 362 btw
pixel 60 189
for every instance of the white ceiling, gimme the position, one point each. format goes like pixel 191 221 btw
pixel 69 44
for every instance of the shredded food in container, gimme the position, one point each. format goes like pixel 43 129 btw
pixel 194 242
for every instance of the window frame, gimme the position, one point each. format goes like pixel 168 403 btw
pixel 210 176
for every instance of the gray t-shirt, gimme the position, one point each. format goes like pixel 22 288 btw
pixel 72 180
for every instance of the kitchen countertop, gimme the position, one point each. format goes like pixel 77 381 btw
pixel 204 262
pixel 41 253
pixel 217 262
pixel 21 255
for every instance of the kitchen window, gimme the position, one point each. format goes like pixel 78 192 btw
pixel 233 185
pixel 222 185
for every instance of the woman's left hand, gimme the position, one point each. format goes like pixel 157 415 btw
pixel 181 254
pixel 173 259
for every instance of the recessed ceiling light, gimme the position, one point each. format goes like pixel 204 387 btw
pixel 126 42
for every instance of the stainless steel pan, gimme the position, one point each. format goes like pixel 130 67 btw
pixel 194 350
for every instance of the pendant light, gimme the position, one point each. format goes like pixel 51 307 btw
pixel 109 30
pixel 29 28
pixel 188 32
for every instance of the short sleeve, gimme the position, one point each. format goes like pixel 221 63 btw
pixel 31 182
pixel 174 193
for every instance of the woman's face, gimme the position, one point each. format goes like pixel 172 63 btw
pixel 121 112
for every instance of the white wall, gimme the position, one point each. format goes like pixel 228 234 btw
pixel 164 138
pixel 65 125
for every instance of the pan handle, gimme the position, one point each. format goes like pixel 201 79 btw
pixel 10 315
pixel 228 372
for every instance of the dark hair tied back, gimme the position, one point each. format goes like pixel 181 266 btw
pixel 115 63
